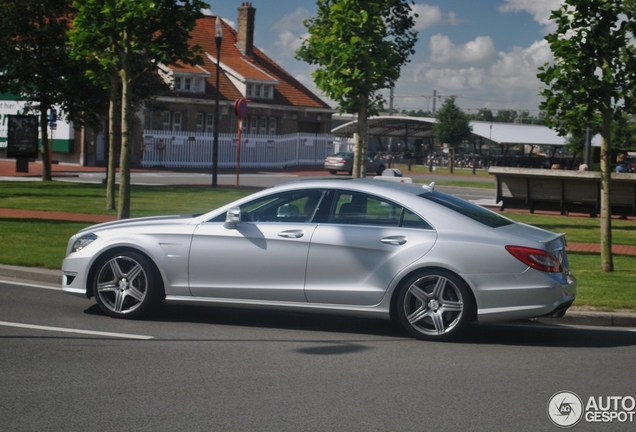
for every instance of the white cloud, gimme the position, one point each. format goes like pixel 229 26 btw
pixel 291 32
pixel 429 16
pixel 288 43
pixel 518 68
pixel 539 9
pixel 478 51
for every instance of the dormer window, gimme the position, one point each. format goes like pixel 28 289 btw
pixel 259 91
pixel 188 84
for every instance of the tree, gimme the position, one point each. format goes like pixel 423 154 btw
pixel 118 33
pixel 485 114
pixel 591 82
pixel 506 116
pixel 452 127
pixel 36 66
pixel 359 47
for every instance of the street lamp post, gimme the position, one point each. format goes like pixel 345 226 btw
pixel 215 145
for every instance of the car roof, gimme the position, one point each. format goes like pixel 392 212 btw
pixel 363 184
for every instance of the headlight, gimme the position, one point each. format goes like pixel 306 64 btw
pixel 83 241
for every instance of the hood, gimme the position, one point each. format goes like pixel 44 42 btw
pixel 145 221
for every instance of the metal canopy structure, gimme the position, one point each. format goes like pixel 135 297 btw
pixel 391 126
pixel 422 127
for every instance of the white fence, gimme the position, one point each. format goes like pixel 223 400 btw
pixel 194 149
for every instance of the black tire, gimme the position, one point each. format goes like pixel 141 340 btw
pixel 380 170
pixel 126 285
pixel 435 305
pixel 333 172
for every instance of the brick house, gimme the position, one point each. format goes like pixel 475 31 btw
pixel 277 103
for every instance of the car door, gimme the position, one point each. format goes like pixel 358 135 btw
pixel 263 258
pixel 368 240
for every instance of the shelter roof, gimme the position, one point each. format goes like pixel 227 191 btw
pixel 422 127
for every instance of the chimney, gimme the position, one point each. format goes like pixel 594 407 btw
pixel 246 14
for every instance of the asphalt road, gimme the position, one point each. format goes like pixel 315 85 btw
pixel 64 366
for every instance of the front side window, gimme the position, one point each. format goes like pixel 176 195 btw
pixel 291 206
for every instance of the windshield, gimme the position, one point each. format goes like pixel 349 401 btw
pixel 468 209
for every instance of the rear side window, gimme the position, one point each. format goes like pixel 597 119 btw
pixel 355 208
pixel 468 209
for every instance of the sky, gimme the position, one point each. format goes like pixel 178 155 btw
pixel 485 53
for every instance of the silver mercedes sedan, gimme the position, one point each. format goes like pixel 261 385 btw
pixel 366 247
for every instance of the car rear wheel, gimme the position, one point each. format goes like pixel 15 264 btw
pixel 380 170
pixel 333 172
pixel 126 285
pixel 435 305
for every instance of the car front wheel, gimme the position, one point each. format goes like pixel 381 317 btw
pixel 126 285
pixel 435 305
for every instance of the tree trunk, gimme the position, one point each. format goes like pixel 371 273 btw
pixel 606 203
pixel 123 210
pixel 359 157
pixel 112 130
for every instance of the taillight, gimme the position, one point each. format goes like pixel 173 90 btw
pixel 536 258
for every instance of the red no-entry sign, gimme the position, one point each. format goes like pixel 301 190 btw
pixel 240 108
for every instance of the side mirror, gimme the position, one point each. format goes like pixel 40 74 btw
pixel 232 217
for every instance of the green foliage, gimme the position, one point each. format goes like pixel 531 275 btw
pixel 123 39
pixel 453 125
pixel 359 47
pixel 36 65
pixel 594 65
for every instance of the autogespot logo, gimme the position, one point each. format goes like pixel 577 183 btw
pixel 565 409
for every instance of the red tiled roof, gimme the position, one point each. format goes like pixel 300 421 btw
pixel 288 91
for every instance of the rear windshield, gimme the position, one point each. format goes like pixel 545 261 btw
pixel 468 209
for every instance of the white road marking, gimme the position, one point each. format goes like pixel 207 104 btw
pixel 70 330
pixel 49 287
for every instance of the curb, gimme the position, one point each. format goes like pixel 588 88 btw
pixel 32 274
pixel 572 317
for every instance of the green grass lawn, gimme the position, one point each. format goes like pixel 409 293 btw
pixel 42 243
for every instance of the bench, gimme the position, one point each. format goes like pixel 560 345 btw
pixel 563 191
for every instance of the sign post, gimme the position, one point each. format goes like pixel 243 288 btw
pixel 22 140
pixel 240 108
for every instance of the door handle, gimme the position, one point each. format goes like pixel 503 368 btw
pixel 394 240
pixel 291 234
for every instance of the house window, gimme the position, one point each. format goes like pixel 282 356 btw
pixel 200 117
pixel 263 126
pixel 209 125
pixel 272 125
pixel 177 83
pixel 254 125
pixel 257 90
pixel 266 91
pixel 188 83
pixel 166 120
pixel 249 90
pixel 176 121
